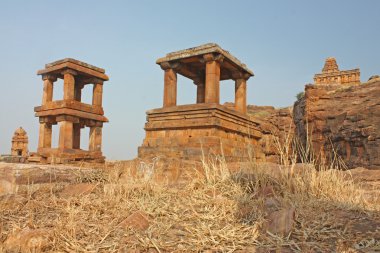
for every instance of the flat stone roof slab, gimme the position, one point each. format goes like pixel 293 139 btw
pixel 201 50
pixel 69 63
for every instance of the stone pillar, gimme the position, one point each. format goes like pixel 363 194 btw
pixel 170 83
pixel 200 82
pixel 97 93
pixel 65 135
pixel 212 78
pixel 241 91
pixel 76 136
pixel 95 143
pixel 68 84
pixel 241 95
pixel 48 88
pixel 78 90
pixel 45 133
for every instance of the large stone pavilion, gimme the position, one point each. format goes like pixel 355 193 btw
pixel 70 113
pixel 205 128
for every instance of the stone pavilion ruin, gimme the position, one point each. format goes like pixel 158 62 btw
pixel 332 75
pixel 20 143
pixel 70 113
pixel 206 127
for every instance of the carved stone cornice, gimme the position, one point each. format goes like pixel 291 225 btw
pixel 212 57
pixel 240 75
pixel 69 71
pixel 94 81
pixel 50 77
pixel 170 65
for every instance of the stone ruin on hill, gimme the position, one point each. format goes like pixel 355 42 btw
pixel 337 117
pixel 341 121
pixel 332 75
pixel 20 143
pixel 71 113
pixel 206 127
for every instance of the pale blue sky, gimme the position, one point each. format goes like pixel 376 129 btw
pixel 284 42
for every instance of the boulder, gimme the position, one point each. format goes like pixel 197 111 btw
pixel 28 240
pixel 77 190
pixel 281 222
pixel 137 220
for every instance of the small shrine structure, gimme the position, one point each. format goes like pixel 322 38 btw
pixel 205 127
pixel 20 143
pixel 70 113
pixel 332 75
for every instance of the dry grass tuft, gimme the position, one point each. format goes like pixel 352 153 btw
pixel 218 210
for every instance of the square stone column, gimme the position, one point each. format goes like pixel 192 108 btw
pixel 68 84
pixel 65 135
pixel 48 88
pixel 212 79
pixel 200 83
pixel 76 136
pixel 241 95
pixel 95 143
pixel 78 90
pixel 45 133
pixel 170 84
pixel 97 93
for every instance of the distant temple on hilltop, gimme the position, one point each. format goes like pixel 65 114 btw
pixel 20 143
pixel 332 75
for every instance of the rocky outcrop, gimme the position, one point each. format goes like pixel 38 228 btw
pixel 278 131
pixel 341 123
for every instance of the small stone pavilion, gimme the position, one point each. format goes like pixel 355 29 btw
pixel 332 75
pixel 70 113
pixel 206 127
pixel 20 143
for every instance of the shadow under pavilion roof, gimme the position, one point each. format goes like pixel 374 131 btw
pixel 191 64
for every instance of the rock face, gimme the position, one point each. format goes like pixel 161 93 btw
pixel 277 130
pixel 341 120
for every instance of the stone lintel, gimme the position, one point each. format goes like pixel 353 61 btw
pixel 70 118
pixel 93 123
pixel 48 120
pixel 80 68
pixel 71 112
pixel 170 65
pixel 71 154
pixel 50 77
pixel 240 75
pixel 197 52
pixel 71 104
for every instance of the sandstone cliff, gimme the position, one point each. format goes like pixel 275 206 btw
pixel 341 120
pixel 278 131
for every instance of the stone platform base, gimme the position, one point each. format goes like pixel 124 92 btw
pixel 191 132
pixel 59 156
pixel 13 159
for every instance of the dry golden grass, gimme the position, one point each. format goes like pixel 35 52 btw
pixel 216 210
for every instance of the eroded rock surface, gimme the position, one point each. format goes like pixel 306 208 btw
pixel 341 120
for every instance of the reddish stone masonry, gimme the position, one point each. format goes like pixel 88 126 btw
pixel 206 127
pixel 20 143
pixel 70 113
pixel 332 75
